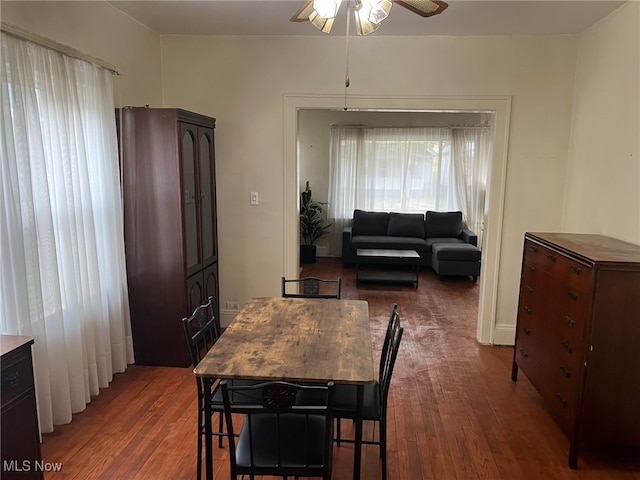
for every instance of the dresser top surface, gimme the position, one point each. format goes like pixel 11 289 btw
pixel 9 343
pixel 597 248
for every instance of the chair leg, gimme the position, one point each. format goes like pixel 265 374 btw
pixel 220 428
pixel 338 435
pixel 383 447
pixel 199 461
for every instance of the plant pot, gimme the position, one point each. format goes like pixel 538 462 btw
pixel 307 254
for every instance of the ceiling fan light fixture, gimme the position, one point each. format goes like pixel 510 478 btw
pixel 378 9
pixel 364 26
pixel 321 23
pixel 362 13
pixel 326 8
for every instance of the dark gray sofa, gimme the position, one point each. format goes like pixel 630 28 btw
pixel 404 231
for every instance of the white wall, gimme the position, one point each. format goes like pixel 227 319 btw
pixel 603 179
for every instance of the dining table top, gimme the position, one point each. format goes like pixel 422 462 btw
pixel 295 339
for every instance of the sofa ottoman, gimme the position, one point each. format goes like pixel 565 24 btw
pixel 459 259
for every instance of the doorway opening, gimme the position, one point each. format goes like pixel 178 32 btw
pixel 497 107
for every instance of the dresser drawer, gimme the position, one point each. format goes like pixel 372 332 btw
pixel 566 313
pixel 575 274
pixel 563 401
pixel 534 365
pixel 17 375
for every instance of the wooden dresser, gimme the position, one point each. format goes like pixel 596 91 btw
pixel 578 334
pixel 20 445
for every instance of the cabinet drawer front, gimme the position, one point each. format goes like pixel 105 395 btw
pixel 567 312
pixel 534 367
pixel 563 401
pixel 17 376
pixel 574 274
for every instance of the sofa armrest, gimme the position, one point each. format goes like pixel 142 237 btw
pixel 469 237
pixel 348 254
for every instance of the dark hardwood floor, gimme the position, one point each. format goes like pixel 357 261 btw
pixel 454 411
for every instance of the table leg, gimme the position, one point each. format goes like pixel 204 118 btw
pixel 357 454
pixel 208 438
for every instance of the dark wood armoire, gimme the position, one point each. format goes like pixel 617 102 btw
pixel 168 174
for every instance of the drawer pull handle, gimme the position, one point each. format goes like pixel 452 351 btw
pixel 533 248
pixel 524 353
pixel 565 372
pixel 569 321
pixel 575 269
pixel 11 379
pixel 567 346
pixel 552 258
pixel 528 310
pixel 531 268
pixel 529 289
pixel 572 295
pixel 561 399
pixel 526 331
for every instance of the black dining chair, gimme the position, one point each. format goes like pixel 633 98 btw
pixel 375 394
pixel 202 330
pixel 278 437
pixel 311 287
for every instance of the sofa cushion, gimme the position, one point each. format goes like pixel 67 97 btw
pixel 443 224
pixel 456 251
pixel 433 240
pixel 406 225
pixel 387 242
pixel 369 223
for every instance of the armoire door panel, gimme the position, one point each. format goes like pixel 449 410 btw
pixel 206 179
pixel 190 197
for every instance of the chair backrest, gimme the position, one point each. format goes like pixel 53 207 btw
pixel 280 437
pixel 311 287
pixel 389 353
pixel 201 330
pixel 387 338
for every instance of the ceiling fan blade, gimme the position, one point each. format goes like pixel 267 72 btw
pixel 302 15
pixel 424 8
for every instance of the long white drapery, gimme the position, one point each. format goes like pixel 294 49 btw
pixel 63 265
pixel 407 170
pixel 472 148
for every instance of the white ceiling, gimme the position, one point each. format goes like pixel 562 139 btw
pixel 268 17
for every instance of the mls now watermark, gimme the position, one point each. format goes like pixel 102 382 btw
pixel 30 466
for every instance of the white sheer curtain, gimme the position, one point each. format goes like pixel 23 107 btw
pixel 345 148
pixel 387 169
pixel 63 267
pixel 472 151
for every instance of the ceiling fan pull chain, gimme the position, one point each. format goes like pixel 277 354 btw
pixel 346 76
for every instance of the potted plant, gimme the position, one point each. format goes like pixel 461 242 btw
pixel 312 225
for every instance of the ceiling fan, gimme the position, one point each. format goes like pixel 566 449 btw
pixel 369 14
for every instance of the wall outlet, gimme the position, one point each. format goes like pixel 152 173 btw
pixel 233 305
pixel 254 198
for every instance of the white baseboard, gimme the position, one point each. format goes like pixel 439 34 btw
pixel 504 334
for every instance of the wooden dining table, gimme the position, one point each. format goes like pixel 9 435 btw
pixel 296 340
